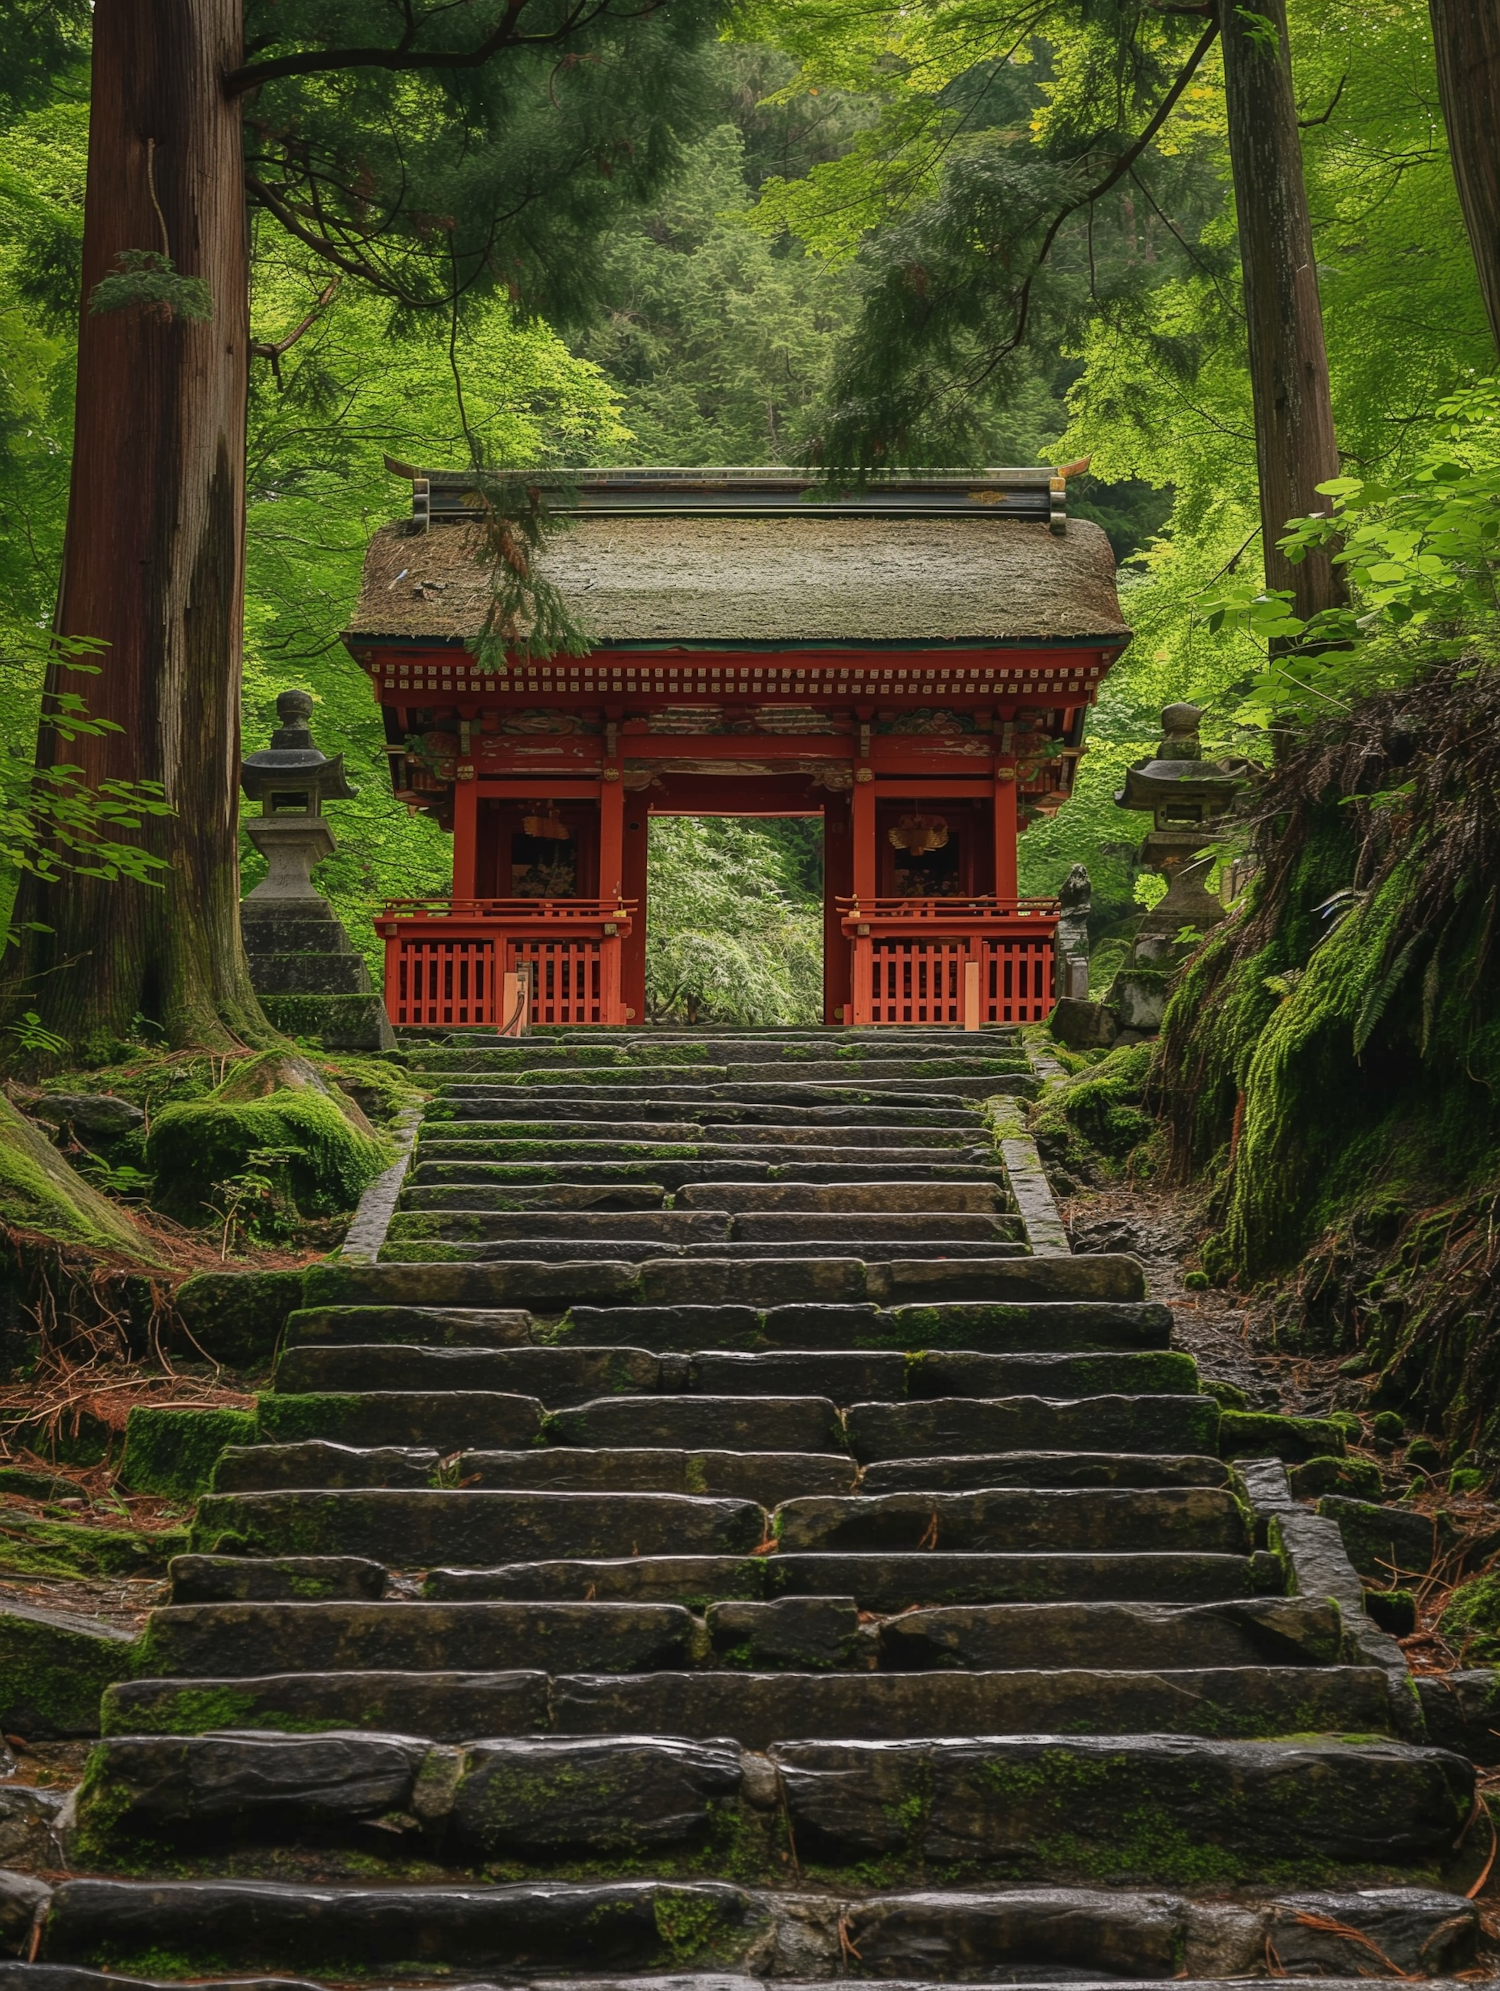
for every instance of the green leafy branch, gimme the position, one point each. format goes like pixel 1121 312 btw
pixel 148 279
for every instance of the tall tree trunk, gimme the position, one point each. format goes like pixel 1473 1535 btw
pixel 1294 439
pixel 154 554
pixel 1466 37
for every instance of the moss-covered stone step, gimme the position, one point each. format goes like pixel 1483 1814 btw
pixel 472 1167
pixel 1243 1631
pixel 982 1806
pixel 448 1420
pixel 768 1478
pixel 416 1528
pixel 852 1130
pixel 240 1579
pixel 430 1327
pixel 758 1709
pixel 759 1283
pixel 970 1472
pixel 802 1226
pixel 993 1327
pixel 871 1249
pixel 878 1582
pixel 212 1641
pixel 457 1100
pixel 317 1462
pixel 230 1925
pixel 438 1147
pixel 557 1376
pixel 761 1709
pixel 570 1227
pixel 968 1425
pixel 894 1580
pixel 1094 1520
pixel 703 1423
pixel 893 1197
pixel 573 1372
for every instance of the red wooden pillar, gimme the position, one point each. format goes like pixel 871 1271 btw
pixel 633 888
pixel 611 835
pixel 862 826
pixel 465 835
pixel 1005 834
pixel 838 883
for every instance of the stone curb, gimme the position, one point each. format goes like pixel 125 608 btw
pixel 372 1219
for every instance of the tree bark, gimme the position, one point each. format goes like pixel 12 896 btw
pixel 1294 439
pixel 1466 38
pixel 154 552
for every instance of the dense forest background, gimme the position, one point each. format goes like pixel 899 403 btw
pixel 834 154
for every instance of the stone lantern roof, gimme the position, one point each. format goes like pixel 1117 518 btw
pixel 292 762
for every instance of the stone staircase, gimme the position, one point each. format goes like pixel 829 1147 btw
pixel 710 1546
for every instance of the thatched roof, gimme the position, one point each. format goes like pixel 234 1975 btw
pixel 795 580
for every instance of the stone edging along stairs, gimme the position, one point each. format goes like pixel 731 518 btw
pixel 711 1546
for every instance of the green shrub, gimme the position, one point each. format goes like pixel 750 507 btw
pixel 300 1141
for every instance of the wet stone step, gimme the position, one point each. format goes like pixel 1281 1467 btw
pixel 458 1101
pixel 854 1166
pixel 895 1581
pixel 883 1583
pixel 694 1580
pixel 441 1145
pixel 529 1929
pixel 555 1375
pixel 768 1478
pixel 1041 1469
pixel 1246 1631
pixel 780 1226
pixel 214 1640
pixel 904 1195
pixel 444 1419
pixel 414 1528
pixel 870 1250
pixel 703 1423
pixel 430 1327
pixel 239 1579
pixel 568 1226
pixel 967 1425
pixel 426 1250
pixel 1015 1519
pixel 316 1462
pixel 979 1806
pixel 759 1709
pixel 1043 1326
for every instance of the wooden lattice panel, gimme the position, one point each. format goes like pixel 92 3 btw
pixel 443 983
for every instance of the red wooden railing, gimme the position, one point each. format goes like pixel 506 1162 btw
pixel 950 961
pixel 965 962
pixel 446 960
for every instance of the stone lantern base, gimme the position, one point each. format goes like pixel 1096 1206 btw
pixel 303 965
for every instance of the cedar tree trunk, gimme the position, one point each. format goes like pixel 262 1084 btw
pixel 1294 440
pixel 154 554
pixel 1466 37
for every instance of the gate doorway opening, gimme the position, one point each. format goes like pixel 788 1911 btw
pixel 733 917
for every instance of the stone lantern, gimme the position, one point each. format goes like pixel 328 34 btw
pixel 1189 798
pixel 303 966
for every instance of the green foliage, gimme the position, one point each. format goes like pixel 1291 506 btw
pixel 718 339
pixel 147 279
pixel 299 1143
pixel 730 938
